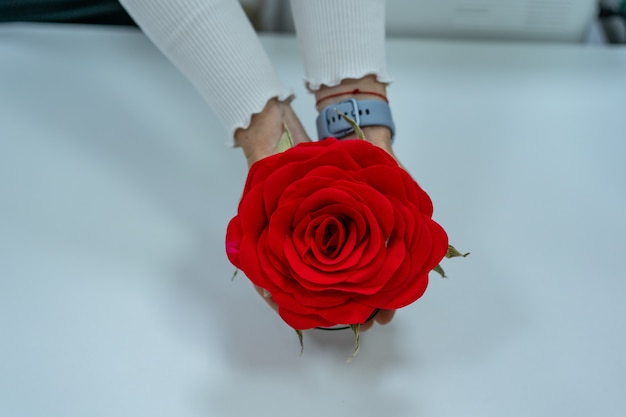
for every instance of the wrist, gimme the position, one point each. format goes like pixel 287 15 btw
pixel 365 100
pixel 261 137
pixel 366 88
pixel 258 139
pixel 376 135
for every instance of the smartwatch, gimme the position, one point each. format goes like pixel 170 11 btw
pixel 364 112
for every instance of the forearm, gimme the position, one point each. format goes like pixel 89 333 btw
pixel 343 46
pixel 341 39
pixel 213 43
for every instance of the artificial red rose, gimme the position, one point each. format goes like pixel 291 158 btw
pixel 334 230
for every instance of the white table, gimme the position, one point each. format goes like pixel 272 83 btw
pixel 115 190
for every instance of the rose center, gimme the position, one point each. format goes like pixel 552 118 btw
pixel 330 236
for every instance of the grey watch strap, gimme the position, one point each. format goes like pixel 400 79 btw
pixel 364 112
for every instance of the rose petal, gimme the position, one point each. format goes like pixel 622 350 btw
pixel 233 241
pixel 251 214
pixel 301 317
pixel 432 245
pixel 385 179
pixel 334 229
pixel 366 154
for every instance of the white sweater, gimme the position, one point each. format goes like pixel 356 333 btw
pixel 213 43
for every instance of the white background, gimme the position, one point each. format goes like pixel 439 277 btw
pixel 115 191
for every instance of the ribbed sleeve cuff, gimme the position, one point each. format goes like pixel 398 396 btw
pixel 213 43
pixel 341 39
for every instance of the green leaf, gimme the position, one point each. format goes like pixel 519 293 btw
pixel 301 339
pixel 453 253
pixel 357 129
pixel 285 142
pixel 357 343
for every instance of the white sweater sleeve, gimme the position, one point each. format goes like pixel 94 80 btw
pixel 213 43
pixel 341 39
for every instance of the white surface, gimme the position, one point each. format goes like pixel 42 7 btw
pixel 115 190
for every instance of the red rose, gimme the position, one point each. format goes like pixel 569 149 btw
pixel 334 230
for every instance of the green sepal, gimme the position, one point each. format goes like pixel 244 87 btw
pixel 285 142
pixel 357 129
pixel 357 343
pixel 438 269
pixel 300 339
pixel 234 274
pixel 453 253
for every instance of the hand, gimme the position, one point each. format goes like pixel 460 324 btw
pixel 377 135
pixel 259 140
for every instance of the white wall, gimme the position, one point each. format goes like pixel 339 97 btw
pixel 549 20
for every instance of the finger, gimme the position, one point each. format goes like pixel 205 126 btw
pixel 267 297
pixel 366 326
pixel 384 316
